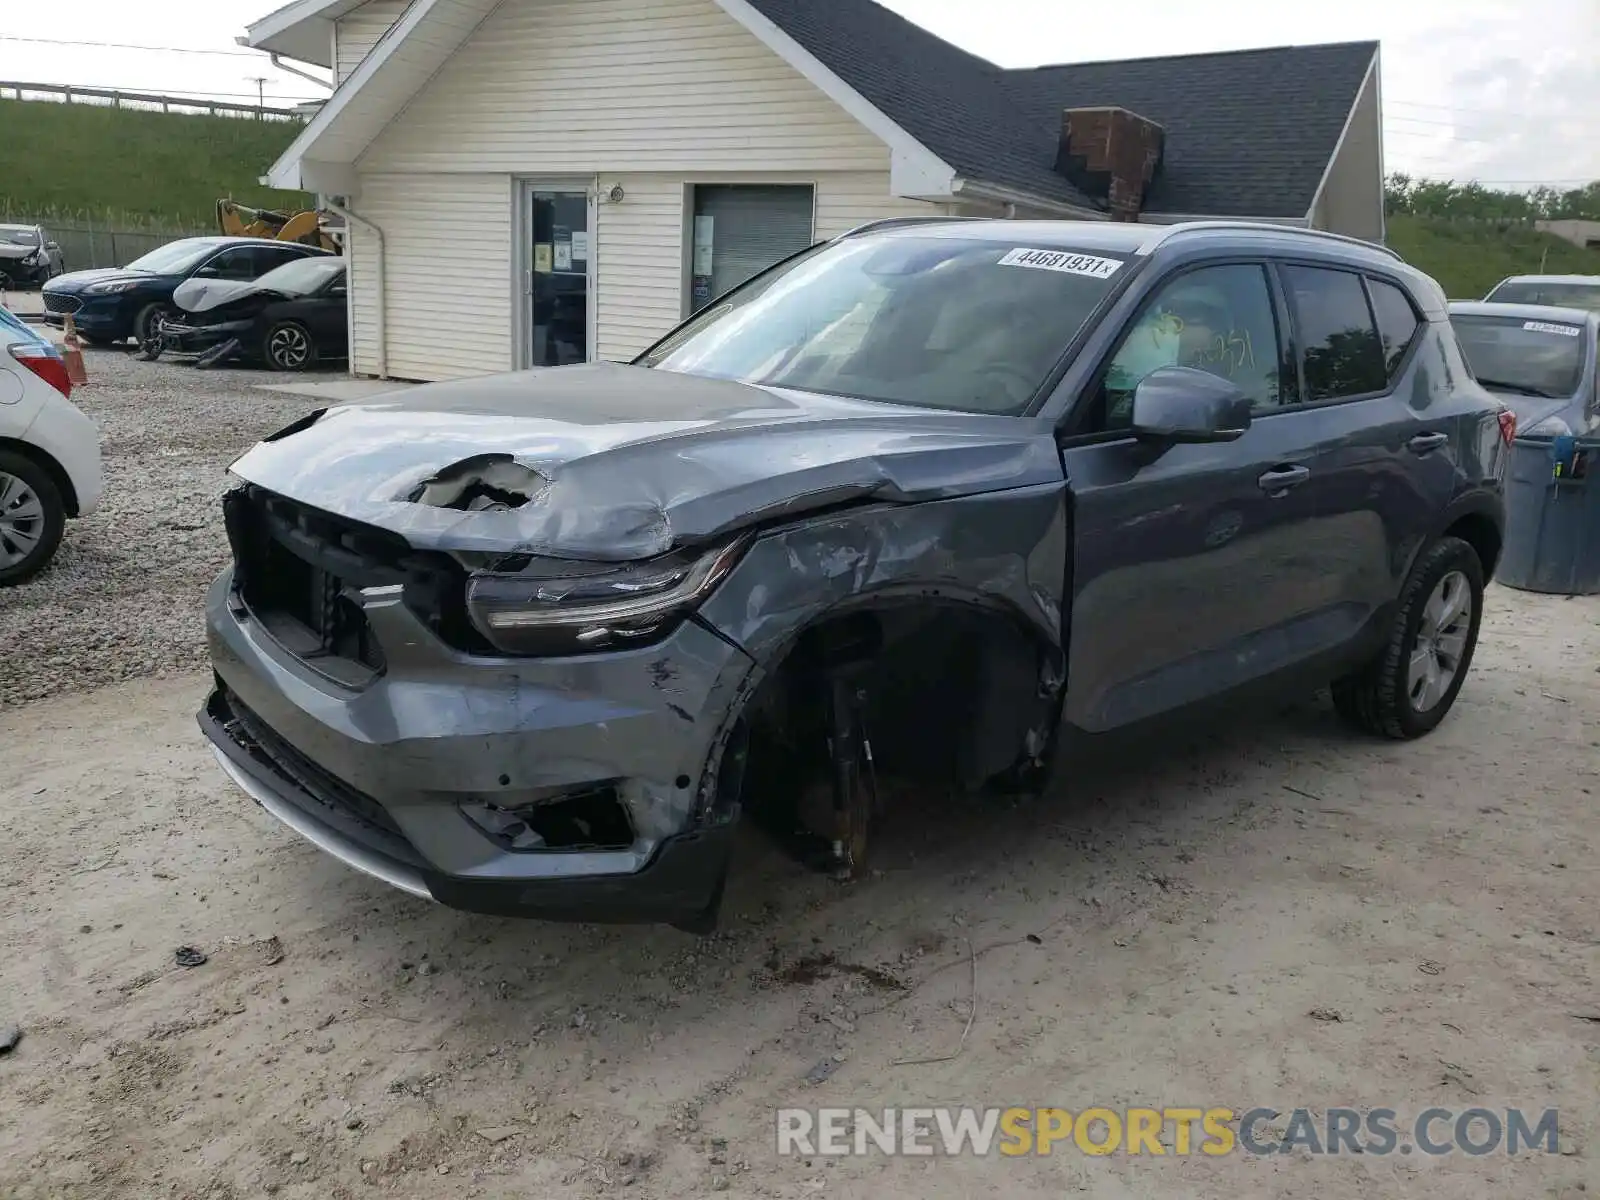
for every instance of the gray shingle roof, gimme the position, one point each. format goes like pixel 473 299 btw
pixel 1249 132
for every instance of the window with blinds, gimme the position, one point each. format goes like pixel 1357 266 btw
pixel 740 230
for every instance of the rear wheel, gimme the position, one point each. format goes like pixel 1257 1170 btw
pixel 289 346
pixel 32 517
pixel 1407 690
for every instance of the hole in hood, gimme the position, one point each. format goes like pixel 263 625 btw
pixel 483 483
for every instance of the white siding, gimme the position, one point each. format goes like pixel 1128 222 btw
pixel 655 95
pixel 447 262
pixel 639 245
pixel 845 201
pixel 358 31
pixel 576 86
pixel 1352 201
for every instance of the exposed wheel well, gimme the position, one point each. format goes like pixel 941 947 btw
pixel 63 482
pixel 953 695
pixel 1483 535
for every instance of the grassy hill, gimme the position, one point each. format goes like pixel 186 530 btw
pixel 87 160
pixel 1469 258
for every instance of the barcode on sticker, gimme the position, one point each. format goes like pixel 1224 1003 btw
pixel 1547 327
pixel 1064 261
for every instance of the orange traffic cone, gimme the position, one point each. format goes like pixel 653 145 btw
pixel 72 351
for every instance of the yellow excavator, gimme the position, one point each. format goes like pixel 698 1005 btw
pixel 305 227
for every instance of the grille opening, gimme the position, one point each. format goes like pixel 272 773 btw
pixel 286 553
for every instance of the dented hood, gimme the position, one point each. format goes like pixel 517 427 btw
pixel 613 463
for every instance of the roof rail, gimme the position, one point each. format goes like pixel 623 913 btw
pixel 894 222
pixel 1298 230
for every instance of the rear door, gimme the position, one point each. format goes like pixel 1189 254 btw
pixel 1195 569
pixel 1387 468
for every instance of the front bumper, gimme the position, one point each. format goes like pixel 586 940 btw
pixel 22 271
pixel 178 337
pixel 95 316
pixel 376 776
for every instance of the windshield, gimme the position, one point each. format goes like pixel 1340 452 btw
pixel 301 277
pixel 19 235
pixel 940 322
pixel 1536 358
pixel 1558 295
pixel 175 257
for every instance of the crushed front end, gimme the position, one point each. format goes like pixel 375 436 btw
pixel 411 713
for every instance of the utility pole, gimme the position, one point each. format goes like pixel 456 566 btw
pixel 261 93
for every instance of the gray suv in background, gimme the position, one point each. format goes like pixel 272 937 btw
pixel 906 505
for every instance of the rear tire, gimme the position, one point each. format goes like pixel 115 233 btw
pixel 1413 682
pixel 32 517
pixel 289 346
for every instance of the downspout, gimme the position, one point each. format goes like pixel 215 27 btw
pixel 382 287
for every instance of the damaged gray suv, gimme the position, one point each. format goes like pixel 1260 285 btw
pixel 906 505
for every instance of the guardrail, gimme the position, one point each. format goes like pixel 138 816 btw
pixel 119 98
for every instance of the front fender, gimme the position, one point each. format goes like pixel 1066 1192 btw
pixel 1006 550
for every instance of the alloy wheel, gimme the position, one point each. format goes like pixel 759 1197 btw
pixel 21 520
pixel 289 347
pixel 1441 641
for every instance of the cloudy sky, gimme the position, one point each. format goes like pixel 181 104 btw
pixel 1471 88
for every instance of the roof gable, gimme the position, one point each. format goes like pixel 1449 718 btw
pixel 1249 133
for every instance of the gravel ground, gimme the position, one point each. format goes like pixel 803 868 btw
pixel 1274 913
pixel 123 597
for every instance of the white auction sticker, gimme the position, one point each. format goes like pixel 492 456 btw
pixel 1547 327
pixel 1064 261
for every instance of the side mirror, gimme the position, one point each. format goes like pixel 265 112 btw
pixel 1176 405
pixel 52 245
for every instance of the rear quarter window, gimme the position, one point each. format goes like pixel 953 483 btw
pixel 1397 321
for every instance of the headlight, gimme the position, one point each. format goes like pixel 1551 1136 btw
pixel 112 285
pixel 555 607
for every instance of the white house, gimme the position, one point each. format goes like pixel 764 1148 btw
pixel 540 181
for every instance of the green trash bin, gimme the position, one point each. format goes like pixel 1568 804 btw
pixel 1552 539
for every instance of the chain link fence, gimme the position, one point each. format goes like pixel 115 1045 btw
pixel 113 240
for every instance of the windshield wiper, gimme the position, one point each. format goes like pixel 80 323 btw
pixel 1521 389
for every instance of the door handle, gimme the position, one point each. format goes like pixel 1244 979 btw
pixel 1425 442
pixel 1281 479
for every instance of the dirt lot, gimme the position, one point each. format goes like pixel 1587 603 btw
pixel 1190 906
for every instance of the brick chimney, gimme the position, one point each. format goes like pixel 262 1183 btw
pixel 1111 154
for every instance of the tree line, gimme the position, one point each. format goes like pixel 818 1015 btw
pixel 1473 201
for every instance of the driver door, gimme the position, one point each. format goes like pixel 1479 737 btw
pixel 1192 564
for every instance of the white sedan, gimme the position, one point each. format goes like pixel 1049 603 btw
pixel 49 452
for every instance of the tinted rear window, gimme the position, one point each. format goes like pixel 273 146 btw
pixel 1340 346
pixel 1544 357
pixel 1397 321
pixel 13 330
